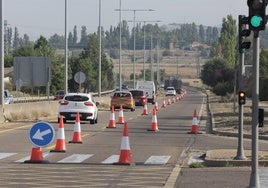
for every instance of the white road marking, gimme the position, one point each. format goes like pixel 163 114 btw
pixel 5 155
pixel 110 160
pixel 28 157
pixel 75 158
pixel 157 160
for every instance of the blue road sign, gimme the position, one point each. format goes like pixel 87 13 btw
pixel 41 134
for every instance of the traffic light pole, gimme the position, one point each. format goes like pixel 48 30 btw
pixel 240 149
pixel 254 178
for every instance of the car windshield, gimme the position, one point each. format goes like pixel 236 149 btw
pixel 137 93
pixel 60 93
pixel 76 98
pixel 170 88
pixel 122 95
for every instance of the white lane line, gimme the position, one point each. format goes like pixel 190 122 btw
pixel 5 155
pixel 75 158
pixel 110 160
pixel 28 157
pixel 157 160
pixel 263 177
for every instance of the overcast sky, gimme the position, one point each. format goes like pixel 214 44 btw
pixel 46 17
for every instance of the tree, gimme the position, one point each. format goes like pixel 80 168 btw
pixel 218 75
pixel 84 37
pixel 75 38
pixel 228 41
pixel 16 38
pixel 201 33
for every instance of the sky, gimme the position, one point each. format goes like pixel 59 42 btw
pixel 47 17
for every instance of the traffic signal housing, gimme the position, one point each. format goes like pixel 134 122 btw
pixel 257 14
pixel 243 33
pixel 241 97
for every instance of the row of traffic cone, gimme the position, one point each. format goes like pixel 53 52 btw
pixel 121 120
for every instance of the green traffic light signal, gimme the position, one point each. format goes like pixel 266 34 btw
pixel 255 21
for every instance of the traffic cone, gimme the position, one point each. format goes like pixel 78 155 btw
pixel 112 119
pixel 145 109
pixel 164 103
pixel 156 105
pixel 173 100
pixel 121 116
pixel 60 144
pixel 194 129
pixel 125 153
pixel 77 136
pixel 169 101
pixel 154 125
pixel 36 156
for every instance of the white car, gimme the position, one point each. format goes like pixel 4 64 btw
pixel 170 91
pixel 8 98
pixel 78 102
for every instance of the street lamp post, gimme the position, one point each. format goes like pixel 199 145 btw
pixel 66 51
pixel 144 42
pixel 99 93
pixel 134 37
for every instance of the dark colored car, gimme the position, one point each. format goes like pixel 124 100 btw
pixel 139 97
pixel 59 95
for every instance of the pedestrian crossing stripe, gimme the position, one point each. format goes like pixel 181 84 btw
pixel 110 160
pixel 5 155
pixel 75 158
pixel 157 160
pixel 79 158
pixel 47 154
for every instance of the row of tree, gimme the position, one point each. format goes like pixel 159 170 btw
pixel 219 72
pixel 86 62
pixel 182 36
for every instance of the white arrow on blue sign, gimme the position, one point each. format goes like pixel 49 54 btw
pixel 41 134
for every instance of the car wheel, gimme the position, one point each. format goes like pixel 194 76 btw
pixel 96 120
pixel 132 109
pixel 92 121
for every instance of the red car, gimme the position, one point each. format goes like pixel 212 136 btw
pixel 139 97
pixel 59 95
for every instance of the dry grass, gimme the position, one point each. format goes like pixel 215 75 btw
pixel 226 115
pixel 185 64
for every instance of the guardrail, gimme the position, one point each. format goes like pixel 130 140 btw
pixel 24 99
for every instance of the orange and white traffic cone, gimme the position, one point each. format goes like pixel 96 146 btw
pixel 121 116
pixel 145 109
pixel 112 119
pixel 125 153
pixel 164 103
pixel 36 156
pixel 156 105
pixel 169 101
pixel 154 125
pixel 77 136
pixel 60 143
pixel 194 129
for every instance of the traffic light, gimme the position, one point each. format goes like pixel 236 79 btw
pixel 243 33
pixel 241 97
pixel 256 14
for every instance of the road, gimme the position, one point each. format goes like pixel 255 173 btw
pixel 159 158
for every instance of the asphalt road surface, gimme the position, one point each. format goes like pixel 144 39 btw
pixel 159 159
